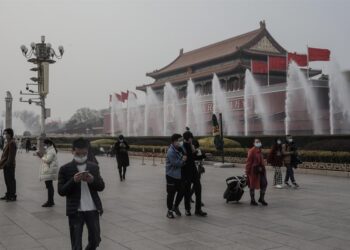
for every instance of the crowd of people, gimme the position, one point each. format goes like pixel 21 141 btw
pixel 80 181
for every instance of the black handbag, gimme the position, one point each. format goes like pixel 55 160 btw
pixel 201 169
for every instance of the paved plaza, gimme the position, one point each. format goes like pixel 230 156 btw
pixel 316 216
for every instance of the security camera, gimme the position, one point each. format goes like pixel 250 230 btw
pixel 27 88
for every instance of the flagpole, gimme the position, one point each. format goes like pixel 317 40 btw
pixel 307 72
pixel 268 70
pixel 287 65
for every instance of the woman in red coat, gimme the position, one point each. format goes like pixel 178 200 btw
pixel 256 172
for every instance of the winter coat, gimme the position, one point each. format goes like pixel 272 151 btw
pixel 173 163
pixel 8 157
pixel 121 150
pixel 189 170
pixel 254 159
pixel 72 190
pixel 275 157
pixel 49 165
pixel 289 152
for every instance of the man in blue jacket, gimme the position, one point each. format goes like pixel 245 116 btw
pixel 174 162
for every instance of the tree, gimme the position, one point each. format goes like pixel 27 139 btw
pixel 84 118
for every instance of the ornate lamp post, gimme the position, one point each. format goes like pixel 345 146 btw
pixel 42 55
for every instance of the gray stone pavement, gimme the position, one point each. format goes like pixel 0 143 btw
pixel 315 216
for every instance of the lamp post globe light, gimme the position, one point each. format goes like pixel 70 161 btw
pixel 42 55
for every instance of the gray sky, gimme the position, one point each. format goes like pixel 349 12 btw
pixel 110 45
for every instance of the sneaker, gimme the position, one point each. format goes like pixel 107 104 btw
pixel 201 213
pixel 170 214
pixel 295 185
pixel 253 203
pixel 287 184
pixel 13 198
pixel 188 213
pixel 278 186
pixel 176 211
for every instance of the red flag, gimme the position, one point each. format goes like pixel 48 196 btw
pixel 316 54
pixel 119 97
pixel 124 96
pixel 277 63
pixel 259 67
pixel 299 59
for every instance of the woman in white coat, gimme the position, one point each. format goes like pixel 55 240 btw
pixel 49 170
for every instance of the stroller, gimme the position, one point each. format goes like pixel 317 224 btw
pixel 235 186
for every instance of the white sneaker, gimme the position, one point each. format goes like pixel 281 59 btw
pixel 278 186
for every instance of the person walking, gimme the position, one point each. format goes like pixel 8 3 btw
pixel 275 158
pixel 290 159
pixel 256 173
pixel 8 164
pixel 190 176
pixel 121 148
pixel 80 181
pixel 49 170
pixel 199 158
pixel 174 186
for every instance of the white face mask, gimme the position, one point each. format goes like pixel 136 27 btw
pixel 257 144
pixel 45 147
pixel 80 160
pixel 290 140
pixel 177 144
pixel 279 142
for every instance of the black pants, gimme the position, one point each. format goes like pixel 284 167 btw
pixel 173 187
pixel 195 180
pixel 50 191
pixel 76 224
pixel 10 181
pixel 122 171
pixel 289 174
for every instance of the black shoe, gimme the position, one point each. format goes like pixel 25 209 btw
pixel 263 202
pixel 253 203
pixel 295 185
pixel 176 211
pixel 13 198
pixel 48 204
pixel 124 177
pixel 121 178
pixel 188 213
pixel 202 204
pixel 170 214
pixel 201 213
pixel 4 198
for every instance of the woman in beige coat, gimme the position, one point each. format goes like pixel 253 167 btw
pixel 49 170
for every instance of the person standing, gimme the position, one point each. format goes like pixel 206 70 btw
pixel 275 158
pixel 199 158
pixel 121 148
pixel 256 173
pixel 49 170
pixel 8 164
pixel 290 159
pixel 2 141
pixel 190 176
pixel 174 186
pixel 80 181
pixel 28 145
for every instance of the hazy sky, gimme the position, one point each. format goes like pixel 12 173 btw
pixel 110 45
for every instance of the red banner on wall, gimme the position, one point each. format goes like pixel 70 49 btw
pixel 316 54
pixel 277 63
pixel 259 67
pixel 299 59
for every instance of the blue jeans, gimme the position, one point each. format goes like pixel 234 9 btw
pixel 289 174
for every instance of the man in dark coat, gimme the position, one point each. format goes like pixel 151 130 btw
pixel 80 180
pixel 121 148
pixel 190 175
pixel 8 164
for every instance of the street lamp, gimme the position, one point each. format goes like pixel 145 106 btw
pixel 40 54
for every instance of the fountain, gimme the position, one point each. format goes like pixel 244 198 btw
pixel 339 102
pixel 253 90
pixel 173 115
pixel 117 117
pixel 194 113
pixel 298 88
pixel 134 116
pixel 221 105
pixel 152 113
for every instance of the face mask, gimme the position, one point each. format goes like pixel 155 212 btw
pixel 290 140
pixel 177 144
pixel 279 142
pixel 45 147
pixel 257 144
pixel 80 160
